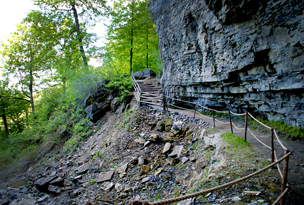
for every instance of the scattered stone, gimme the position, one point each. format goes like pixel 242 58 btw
pixel 147 143
pixel 209 147
pixel 142 161
pixel 123 195
pixel 257 193
pixel 42 183
pixel 184 160
pixel 141 140
pixel 160 126
pixel 118 187
pixel 122 169
pixel 54 189
pixel 158 171
pixel 145 169
pixel 154 137
pixel 105 176
pixel 58 181
pixel 146 179
pixel 168 125
pixel 107 186
pixel 169 137
pixel 76 193
pixel 137 198
pixel 186 202
pixel 41 199
pixel 128 188
pixel 134 160
pixel 83 168
pixel 174 161
pixel 192 159
pixel 202 134
pixel 166 147
pixel 177 151
pixel 236 198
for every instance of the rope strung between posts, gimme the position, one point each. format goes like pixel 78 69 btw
pixel 278 166
pixel 260 122
pixel 258 139
pixel 225 123
pixel 275 132
pixel 237 113
pixel 204 115
pixel 237 127
pixel 168 201
pixel 181 108
pixel 221 111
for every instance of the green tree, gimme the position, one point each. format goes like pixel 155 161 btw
pixel 90 10
pixel 131 38
pixel 29 52
pixel 12 108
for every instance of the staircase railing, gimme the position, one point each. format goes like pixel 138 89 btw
pixel 137 90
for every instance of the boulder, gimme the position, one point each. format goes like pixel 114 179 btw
pixel 43 183
pixel 145 74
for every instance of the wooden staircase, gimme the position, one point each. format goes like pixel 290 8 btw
pixel 151 94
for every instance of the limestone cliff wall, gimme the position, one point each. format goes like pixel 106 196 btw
pixel 234 54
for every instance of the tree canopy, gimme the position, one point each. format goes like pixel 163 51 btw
pixel 46 76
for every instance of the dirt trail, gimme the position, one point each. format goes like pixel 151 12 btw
pixel 296 161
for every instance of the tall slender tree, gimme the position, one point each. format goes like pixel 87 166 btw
pixel 29 51
pixel 131 37
pixel 89 9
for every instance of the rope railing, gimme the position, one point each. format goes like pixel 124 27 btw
pixel 238 128
pixel 259 122
pixel 168 201
pixel 241 114
pixel 259 139
pixel 278 166
pixel 275 132
pixel 225 123
pixel 232 124
pixel 204 115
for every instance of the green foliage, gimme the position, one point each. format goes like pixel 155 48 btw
pixel 280 126
pixel 123 84
pixel 235 141
pixel 98 154
pixel 131 28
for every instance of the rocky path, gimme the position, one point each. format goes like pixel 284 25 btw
pixel 296 162
pixel 142 154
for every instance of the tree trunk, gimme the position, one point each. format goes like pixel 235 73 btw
pixel 85 62
pixel 131 50
pixel 4 121
pixel 31 91
pixel 147 45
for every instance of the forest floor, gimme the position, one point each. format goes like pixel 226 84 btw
pixel 125 160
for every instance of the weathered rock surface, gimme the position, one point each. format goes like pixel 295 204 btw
pixel 145 74
pixel 237 55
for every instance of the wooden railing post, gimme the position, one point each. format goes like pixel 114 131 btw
pixel 195 110
pixel 213 118
pixel 284 179
pixel 230 122
pixel 245 134
pixel 272 148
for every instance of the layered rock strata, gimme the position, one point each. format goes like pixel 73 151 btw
pixel 234 55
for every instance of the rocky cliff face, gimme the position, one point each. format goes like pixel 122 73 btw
pixel 237 55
